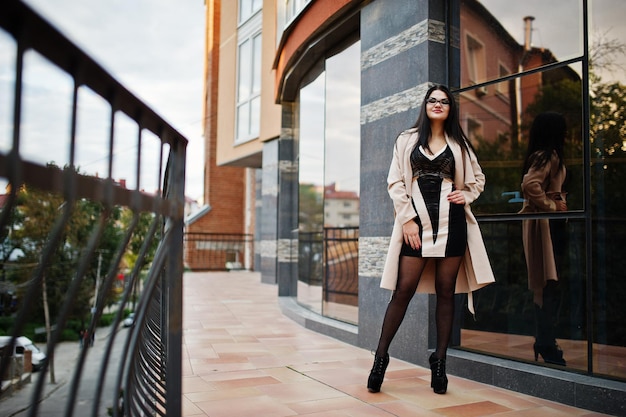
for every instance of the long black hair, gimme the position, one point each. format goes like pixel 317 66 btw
pixel 547 135
pixel 452 126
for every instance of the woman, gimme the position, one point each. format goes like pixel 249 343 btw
pixel 434 176
pixel 542 182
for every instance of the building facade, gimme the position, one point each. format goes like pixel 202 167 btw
pixel 304 101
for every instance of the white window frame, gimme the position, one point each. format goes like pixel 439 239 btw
pixel 253 85
pixel 293 9
pixel 476 59
pixel 474 129
pixel 248 8
pixel 248 33
pixel 502 88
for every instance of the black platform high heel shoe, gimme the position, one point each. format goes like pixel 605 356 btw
pixel 550 354
pixel 377 374
pixel 438 379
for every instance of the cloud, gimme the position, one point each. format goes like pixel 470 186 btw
pixel 154 48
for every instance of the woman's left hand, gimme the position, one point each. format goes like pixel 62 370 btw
pixel 456 197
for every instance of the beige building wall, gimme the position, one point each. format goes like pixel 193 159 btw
pixel 270 111
pixel 246 154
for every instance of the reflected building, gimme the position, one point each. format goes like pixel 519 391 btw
pixel 304 100
pixel 341 208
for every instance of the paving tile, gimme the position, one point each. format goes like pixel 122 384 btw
pixel 477 409
pixel 253 406
pixel 327 405
pixel 405 409
pixel 242 357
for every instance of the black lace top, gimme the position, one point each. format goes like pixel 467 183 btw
pixel 441 166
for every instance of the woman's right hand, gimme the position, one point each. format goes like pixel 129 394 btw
pixel 559 201
pixel 561 205
pixel 411 233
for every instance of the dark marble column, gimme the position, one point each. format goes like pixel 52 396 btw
pixel 287 241
pixel 403 52
pixel 258 204
pixel 279 211
pixel 268 221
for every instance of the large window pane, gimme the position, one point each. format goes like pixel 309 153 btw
pixel 505 37
pixel 607 39
pixel 243 120
pixel 341 183
pixel 255 116
pixel 496 116
pixel 499 131
pixel 508 322
pixel 247 8
pixel 311 195
pixel 249 89
pixel 329 171
pixel 245 70
pixel 256 65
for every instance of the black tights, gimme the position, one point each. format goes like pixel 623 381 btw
pixel 409 272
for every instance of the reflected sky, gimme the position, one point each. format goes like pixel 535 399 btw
pixel 558 27
pixel 343 128
pixel 311 128
pixel 330 124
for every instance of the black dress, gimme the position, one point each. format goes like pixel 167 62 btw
pixel 443 228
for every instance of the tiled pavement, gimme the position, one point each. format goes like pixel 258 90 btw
pixel 243 358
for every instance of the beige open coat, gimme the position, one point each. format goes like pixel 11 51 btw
pixel 539 187
pixel 475 271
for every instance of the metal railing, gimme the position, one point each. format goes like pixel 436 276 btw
pixel 341 269
pixel 147 378
pixel 218 251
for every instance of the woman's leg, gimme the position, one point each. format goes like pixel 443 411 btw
pixel 409 272
pixel 445 284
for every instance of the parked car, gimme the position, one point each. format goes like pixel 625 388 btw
pixel 24 343
pixel 129 320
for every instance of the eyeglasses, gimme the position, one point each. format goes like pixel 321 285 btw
pixel 443 101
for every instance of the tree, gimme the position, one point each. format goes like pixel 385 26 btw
pixel 9 249
pixel 140 234
pixel 38 211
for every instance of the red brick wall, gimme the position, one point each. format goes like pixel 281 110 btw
pixel 224 187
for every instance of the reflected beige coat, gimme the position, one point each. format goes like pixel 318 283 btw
pixel 539 186
pixel 475 271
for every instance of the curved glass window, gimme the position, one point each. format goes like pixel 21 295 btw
pixel 329 171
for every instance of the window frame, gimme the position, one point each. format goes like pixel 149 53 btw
pixel 251 32
pixel 476 59
pixel 248 9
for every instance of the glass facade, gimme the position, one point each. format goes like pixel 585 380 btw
pixel 515 61
pixel 329 168
pixel 535 63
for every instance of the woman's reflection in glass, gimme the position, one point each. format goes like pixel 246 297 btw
pixel 542 187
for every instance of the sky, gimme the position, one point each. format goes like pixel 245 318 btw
pixel 155 48
pixel 558 24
